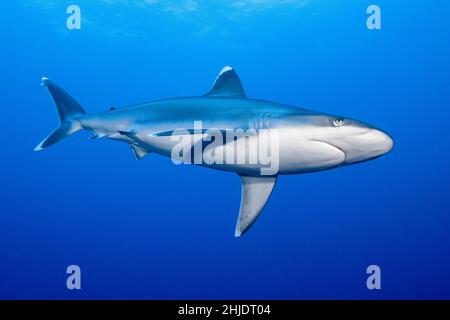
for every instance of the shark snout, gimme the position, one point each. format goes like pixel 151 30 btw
pixel 381 141
pixel 368 145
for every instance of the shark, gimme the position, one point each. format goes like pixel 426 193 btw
pixel 306 140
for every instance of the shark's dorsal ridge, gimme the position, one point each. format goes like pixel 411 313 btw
pixel 255 193
pixel 227 84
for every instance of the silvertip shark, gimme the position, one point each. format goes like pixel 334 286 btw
pixel 308 141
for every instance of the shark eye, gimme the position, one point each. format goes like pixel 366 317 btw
pixel 339 122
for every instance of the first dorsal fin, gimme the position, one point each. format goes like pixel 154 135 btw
pixel 227 84
pixel 255 193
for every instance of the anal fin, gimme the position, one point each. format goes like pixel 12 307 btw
pixel 139 152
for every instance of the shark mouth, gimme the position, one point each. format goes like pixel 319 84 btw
pixel 337 148
pixel 341 150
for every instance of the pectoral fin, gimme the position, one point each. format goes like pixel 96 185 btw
pixel 255 193
pixel 130 134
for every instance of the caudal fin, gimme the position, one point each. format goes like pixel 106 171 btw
pixel 69 112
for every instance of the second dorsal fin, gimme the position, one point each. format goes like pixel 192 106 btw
pixel 227 84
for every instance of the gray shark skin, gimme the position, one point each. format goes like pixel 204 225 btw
pixel 308 141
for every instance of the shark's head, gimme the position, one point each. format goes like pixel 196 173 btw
pixel 356 141
pixel 321 141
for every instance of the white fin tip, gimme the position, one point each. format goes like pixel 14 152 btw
pixel 39 148
pixel 44 80
pixel 225 69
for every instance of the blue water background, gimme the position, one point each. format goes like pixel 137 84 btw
pixel 150 229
